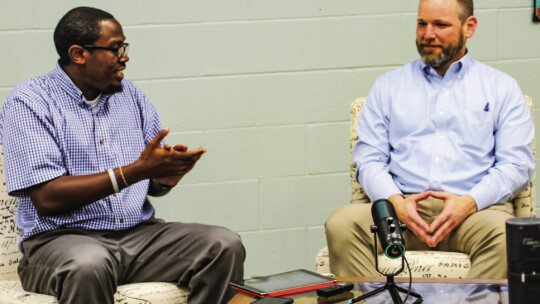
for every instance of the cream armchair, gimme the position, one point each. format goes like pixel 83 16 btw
pixel 11 291
pixel 427 264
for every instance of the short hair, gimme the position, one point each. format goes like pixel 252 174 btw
pixel 79 26
pixel 465 10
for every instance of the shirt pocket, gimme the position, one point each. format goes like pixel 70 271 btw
pixel 478 118
pixel 477 129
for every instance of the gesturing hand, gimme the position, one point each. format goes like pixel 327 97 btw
pixel 169 164
pixel 196 155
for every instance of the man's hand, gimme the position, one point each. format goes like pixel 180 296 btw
pixel 456 210
pixel 195 156
pixel 406 210
pixel 167 164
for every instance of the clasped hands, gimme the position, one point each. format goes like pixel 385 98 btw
pixel 168 164
pixel 456 210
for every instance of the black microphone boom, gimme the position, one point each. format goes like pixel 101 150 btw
pixel 389 229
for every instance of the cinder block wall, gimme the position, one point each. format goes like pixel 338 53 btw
pixel 265 86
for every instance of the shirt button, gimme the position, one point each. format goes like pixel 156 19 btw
pixel 121 221
pixel 441 112
pixel 101 141
pixel 97 114
pixel 441 137
pixel 437 159
pixel 81 104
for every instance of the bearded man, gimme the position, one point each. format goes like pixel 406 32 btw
pixel 447 140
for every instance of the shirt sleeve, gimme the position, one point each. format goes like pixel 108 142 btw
pixel 371 154
pixel 29 140
pixel 514 161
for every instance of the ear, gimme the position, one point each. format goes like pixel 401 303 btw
pixel 469 26
pixel 78 54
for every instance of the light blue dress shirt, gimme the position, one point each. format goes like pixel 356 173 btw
pixel 49 130
pixel 467 133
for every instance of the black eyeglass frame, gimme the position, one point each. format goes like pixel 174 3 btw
pixel 120 51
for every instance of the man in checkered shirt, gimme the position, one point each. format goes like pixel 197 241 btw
pixel 82 150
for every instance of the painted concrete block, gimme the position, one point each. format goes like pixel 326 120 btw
pixel 273 251
pixel 327 148
pixel 48 13
pixel 483 45
pixel 211 103
pixel 524 71
pixel 315 240
pixel 16 15
pixel 239 154
pixel 254 47
pixel 231 204
pixel 302 201
pixel 517 34
pixel 25 55
pixel 171 11
pixel 481 4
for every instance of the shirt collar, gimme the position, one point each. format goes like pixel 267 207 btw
pixel 456 69
pixel 70 87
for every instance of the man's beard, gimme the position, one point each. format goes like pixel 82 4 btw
pixel 447 54
pixel 112 89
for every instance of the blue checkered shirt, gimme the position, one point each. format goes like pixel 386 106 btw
pixel 48 130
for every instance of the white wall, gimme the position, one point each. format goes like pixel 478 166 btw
pixel 265 86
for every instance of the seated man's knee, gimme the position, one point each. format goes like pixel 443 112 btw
pixel 91 265
pixel 347 220
pixel 490 236
pixel 227 241
pixel 496 238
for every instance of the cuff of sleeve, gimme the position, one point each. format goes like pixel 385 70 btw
pixel 482 196
pixel 387 188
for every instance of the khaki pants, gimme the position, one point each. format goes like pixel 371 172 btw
pixel 482 236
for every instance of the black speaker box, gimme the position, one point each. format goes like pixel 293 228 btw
pixel 523 255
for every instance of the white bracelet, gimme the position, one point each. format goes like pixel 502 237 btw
pixel 113 180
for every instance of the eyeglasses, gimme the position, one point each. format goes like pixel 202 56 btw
pixel 119 51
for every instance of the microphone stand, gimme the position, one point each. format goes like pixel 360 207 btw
pixel 390 285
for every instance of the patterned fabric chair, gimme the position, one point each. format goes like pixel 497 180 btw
pixel 11 291
pixel 427 264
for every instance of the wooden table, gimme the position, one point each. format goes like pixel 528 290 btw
pixel 243 298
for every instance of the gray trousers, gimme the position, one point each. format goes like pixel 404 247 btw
pixel 81 266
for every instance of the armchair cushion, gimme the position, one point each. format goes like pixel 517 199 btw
pixel 11 292
pixel 424 264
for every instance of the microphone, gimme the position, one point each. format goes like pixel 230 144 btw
pixel 388 228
